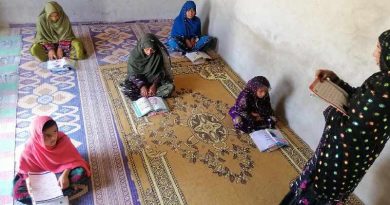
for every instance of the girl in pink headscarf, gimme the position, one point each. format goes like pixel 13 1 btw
pixel 48 149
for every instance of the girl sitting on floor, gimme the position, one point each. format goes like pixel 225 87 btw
pixel 51 150
pixel 186 31
pixel 55 38
pixel 252 110
pixel 148 70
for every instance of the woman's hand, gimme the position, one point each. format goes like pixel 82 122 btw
pixel 323 74
pixel 51 54
pixel 152 90
pixel 60 53
pixel 144 91
pixel 63 180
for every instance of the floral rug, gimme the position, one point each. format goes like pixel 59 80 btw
pixel 193 155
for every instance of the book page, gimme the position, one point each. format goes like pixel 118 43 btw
pixel 62 201
pixel 142 107
pixel 204 55
pixel 44 186
pixel 331 93
pixel 195 57
pixel 262 139
pixel 278 137
pixel 158 104
pixel 54 64
pixel 58 65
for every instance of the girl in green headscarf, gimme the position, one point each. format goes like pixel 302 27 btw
pixel 148 70
pixel 55 38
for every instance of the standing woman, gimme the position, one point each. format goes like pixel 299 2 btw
pixel 48 149
pixel 148 70
pixel 349 144
pixel 252 110
pixel 55 38
pixel 186 31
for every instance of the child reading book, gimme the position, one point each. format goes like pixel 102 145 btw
pixel 48 149
pixel 268 140
pixel 148 70
pixel 252 110
pixel 54 36
pixel 145 106
pixel 186 31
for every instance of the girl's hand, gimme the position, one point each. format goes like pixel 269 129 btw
pixel 256 116
pixel 193 42
pixel 60 53
pixel 63 180
pixel 52 54
pixel 152 90
pixel 144 91
pixel 189 43
pixel 323 74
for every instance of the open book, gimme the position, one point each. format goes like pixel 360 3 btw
pixel 331 93
pixel 45 188
pixel 198 57
pixel 145 106
pixel 62 64
pixel 268 140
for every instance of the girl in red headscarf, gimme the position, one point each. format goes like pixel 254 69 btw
pixel 48 149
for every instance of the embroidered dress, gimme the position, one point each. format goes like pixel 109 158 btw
pixel 247 103
pixel 349 145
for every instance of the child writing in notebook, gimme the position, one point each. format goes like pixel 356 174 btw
pixel 48 149
pixel 252 110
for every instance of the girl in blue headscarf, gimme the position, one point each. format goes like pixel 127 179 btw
pixel 185 34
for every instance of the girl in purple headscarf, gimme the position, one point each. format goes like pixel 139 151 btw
pixel 252 110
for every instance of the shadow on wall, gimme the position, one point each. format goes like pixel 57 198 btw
pixel 3 24
pixel 284 88
pixel 205 17
pixel 382 181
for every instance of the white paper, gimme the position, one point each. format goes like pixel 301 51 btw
pixel 197 57
pixel 44 186
pixel 268 139
pixel 158 104
pixel 142 106
pixel 62 64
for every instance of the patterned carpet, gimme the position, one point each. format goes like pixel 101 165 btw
pixel 193 155
pixel 190 156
